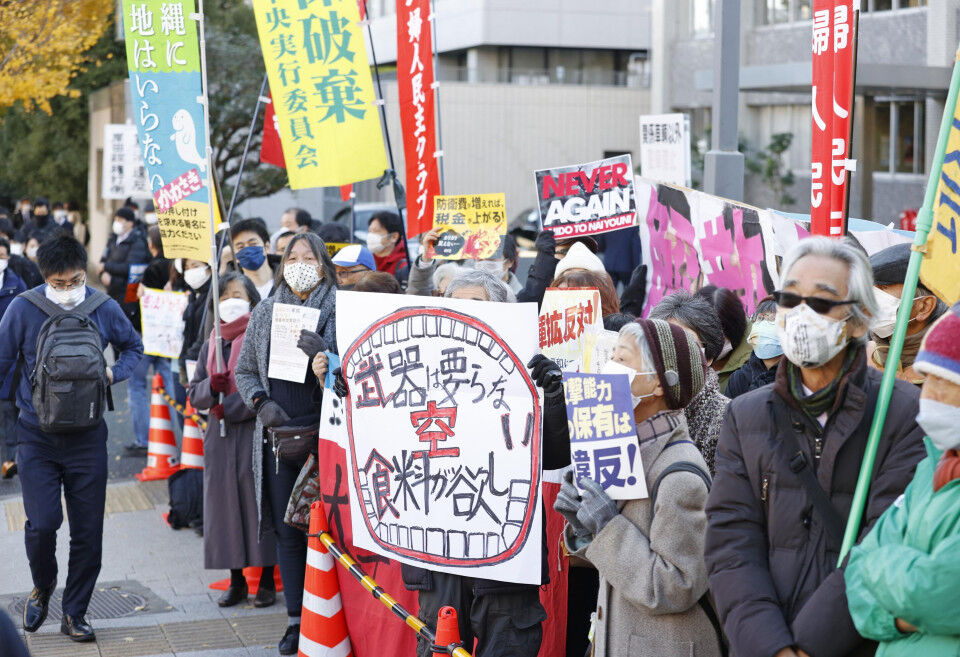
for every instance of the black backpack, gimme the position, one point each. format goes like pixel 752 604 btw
pixel 69 382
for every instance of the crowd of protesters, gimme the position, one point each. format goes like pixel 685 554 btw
pixel 751 431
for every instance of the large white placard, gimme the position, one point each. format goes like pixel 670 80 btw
pixel 161 322
pixel 444 432
pixel 287 361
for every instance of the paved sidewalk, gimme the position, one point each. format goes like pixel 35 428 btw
pixel 152 574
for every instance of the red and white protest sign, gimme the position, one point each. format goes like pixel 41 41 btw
pixel 177 189
pixel 415 77
pixel 586 199
pixel 271 150
pixel 842 45
pixel 823 59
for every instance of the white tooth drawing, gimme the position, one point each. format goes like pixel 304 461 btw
pixel 443 427
pixel 185 138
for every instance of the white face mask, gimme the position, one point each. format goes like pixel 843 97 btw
pixel 495 268
pixel 613 367
pixel 150 217
pixel 810 339
pixel 16 249
pixel 67 298
pixel 232 309
pixel 32 252
pixel 886 318
pixel 3 264
pixel 940 421
pixel 59 215
pixel 196 277
pixel 376 242
pixel 118 228
pixel 301 276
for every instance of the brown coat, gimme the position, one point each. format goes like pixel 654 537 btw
pixel 652 572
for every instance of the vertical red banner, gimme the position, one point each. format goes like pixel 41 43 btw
pixel 821 158
pixel 271 151
pixel 415 78
pixel 843 44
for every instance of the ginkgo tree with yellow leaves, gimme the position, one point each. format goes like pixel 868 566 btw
pixel 43 45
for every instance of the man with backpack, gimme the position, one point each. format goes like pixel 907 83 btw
pixel 51 347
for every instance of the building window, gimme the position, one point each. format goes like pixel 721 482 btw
pixel 701 16
pixel 887 5
pixel 775 12
pixel 900 136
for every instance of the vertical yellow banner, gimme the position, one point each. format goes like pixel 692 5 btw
pixel 940 271
pixel 322 91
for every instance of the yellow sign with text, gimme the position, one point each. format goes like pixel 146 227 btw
pixel 185 230
pixel 940 271
pixel 472 226
pixel 322 91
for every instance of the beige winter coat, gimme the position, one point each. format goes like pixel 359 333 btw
pixel 652 575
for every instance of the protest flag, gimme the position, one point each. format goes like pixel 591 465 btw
pixel 846 17
pixel 949 134
pixel 322 90
pixel 821 187
pixel 415 82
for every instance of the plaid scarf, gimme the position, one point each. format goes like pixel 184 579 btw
pixel 825 399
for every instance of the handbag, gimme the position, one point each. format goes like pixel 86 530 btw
pixel 293 445
pixel 305 492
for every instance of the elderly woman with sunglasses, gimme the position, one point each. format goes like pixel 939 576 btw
pixel 787 463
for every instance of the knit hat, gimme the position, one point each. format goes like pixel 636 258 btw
pixel 579 257
pixel 353 255
pixel 677 359
pixel 940 350
pixel 125 213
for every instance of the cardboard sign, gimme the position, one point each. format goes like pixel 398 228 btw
pixel 444 426
pixel 603 436
pixel 565 316
pixel 586 199
pixel 471 226
pixel 665 148
pixel 161 322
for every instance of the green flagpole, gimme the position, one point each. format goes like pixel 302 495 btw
pixel 924 224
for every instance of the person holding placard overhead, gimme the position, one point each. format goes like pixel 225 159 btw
pixel 285 391
pixel 649 552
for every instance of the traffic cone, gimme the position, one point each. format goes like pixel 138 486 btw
pixel 191 452
pixel 162 449
pixel 323 626
pixel 447 629
pixel 252 575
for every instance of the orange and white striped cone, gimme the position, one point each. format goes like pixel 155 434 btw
pixel 323 626
pixel 447 630
pixel 191 451
pixel 162 458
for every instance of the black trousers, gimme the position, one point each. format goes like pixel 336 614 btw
pixel 504 624
pixel 77 464
pixel 291 543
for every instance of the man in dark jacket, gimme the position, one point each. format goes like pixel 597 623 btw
pixel 787 464
pixel 10 286
pixel 28 272
pixel 72 464
pixel 123 262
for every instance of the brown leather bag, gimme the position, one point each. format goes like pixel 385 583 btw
pixel 293 445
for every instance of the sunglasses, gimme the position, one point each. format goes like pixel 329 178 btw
pixel 818 305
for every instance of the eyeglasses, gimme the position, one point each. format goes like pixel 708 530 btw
pixel 72 284
pixel 818 305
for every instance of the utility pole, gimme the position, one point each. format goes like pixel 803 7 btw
pixel 723 165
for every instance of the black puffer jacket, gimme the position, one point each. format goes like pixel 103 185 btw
pixel 772 565
pixel 117 259
pixel 752 375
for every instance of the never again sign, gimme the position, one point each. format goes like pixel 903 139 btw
pixel 586 199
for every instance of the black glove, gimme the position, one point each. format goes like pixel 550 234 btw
pixel 547 375
pixel 339 383
pixel 635 293
pixel 546 243
pixel 271 415
pixel 310 343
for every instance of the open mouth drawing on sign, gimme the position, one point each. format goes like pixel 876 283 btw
pixel 444 428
